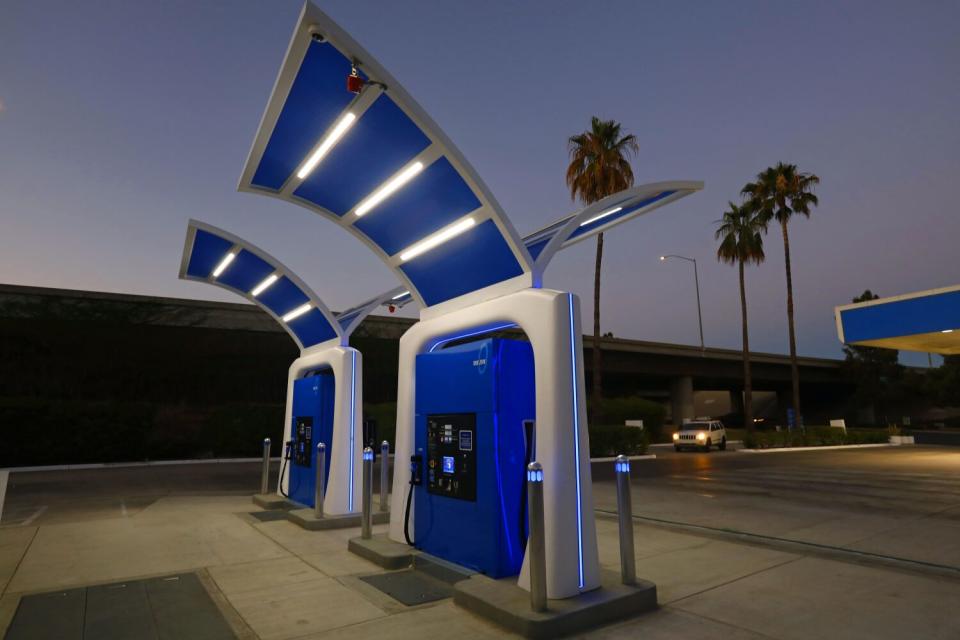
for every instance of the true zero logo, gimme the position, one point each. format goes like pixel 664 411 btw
pixel 481 362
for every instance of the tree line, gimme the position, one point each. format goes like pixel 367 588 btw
pixel 600 166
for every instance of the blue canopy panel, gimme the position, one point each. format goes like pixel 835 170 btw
pixel 375 163
pixel 926 321
pixel 601 216
pixel 614 210
pixel 220 258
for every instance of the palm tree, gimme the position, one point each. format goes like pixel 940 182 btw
pixel 741 242
pixel 598 168
pixel 777 194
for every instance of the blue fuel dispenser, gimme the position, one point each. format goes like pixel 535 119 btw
pixel 312 422
pixel 474 435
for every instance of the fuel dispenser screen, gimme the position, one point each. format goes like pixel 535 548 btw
pixel 451 459
pixel 303 442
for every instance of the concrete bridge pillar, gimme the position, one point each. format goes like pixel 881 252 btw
pixel 784 402
pixel 736 402
pixel 681 399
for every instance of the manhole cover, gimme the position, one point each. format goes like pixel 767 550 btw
pixel 410 587
pixel 269 515
pixel 172 607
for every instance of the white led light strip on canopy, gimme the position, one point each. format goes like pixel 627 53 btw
pixel 601 216
pixel 260 288
pixel 341 128
pixel 397 297
pixel 227 259
pixel 296 313
pixel 387 190
pixel 436 239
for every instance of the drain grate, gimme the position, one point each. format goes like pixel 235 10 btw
pixel 175 607
pixel 270 515
pixel 410 587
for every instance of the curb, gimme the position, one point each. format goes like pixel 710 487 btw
pixel 649 456
pixel 825 448
pixel 669 445
pixel 120 465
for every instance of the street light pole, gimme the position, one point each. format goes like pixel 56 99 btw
pixel 696 282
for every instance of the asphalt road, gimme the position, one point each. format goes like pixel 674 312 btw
pixel 892 479
pixel 891 502
pixel 901 501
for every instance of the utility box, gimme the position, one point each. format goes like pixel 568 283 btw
pixel 474 435
pixel 312 422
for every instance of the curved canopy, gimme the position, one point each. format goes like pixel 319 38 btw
pixel 220 258
pixel 607 213
pixel 926 321
pixel 375 163
pixel 586 223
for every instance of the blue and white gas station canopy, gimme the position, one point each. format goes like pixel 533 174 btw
pixel 926 321
pixel 220 258
pixel 375 163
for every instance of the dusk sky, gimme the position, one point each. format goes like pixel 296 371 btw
pixel 121 120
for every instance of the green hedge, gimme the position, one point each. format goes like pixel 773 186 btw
pixel 813 437
pixel 618 410
pixel 614 439
pixel 39 432
pixel 385 413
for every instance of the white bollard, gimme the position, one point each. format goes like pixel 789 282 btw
pixel 366 530
pixel 536 547
pixel 628 563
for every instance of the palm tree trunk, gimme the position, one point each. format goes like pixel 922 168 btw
pixel 597 396
pixel 794 369
pixel 747 381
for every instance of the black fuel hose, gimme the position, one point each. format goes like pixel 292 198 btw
pixel 406 514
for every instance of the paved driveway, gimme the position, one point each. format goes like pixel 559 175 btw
pixel 902 502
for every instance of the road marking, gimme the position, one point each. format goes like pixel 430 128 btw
pixel 4 476
pixel 36 514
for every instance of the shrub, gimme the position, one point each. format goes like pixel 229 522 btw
pixel 814 437
pixel 618 410
pixel 614 439
pixel 385 414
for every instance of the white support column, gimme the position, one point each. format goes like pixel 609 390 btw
pixel 551 320
pixel 345 452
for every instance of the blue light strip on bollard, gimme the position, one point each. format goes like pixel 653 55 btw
pixel 368 455
pixel 576 438
pixel 535 476
pixel 622 467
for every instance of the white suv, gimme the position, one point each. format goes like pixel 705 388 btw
pixel 702 434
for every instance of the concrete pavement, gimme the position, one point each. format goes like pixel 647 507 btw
pixel 274 580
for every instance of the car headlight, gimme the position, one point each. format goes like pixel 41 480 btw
pixel 676 436
pixel 701 436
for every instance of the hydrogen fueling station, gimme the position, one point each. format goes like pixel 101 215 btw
pixel 324 385
pixel 484 424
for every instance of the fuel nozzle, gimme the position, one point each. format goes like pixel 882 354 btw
pixel 416 469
